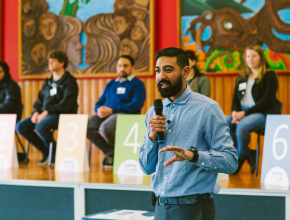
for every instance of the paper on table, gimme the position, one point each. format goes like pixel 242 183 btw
pixel 124 214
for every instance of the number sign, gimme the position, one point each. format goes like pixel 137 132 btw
pixel 276 156
pixel 8 154
pixel 71 151
pixel 130 131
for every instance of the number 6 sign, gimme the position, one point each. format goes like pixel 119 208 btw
pixel 71 151
pixel 276 156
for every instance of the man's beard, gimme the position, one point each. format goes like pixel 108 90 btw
pixel 124 76
pixel 172 89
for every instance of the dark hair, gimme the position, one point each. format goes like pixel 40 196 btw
pixel 6 69
pixel 191 55
pixel 182 59
pixel 129 58
pixel 60 56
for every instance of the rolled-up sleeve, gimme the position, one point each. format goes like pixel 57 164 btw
pixel 222 156
pixel 148 154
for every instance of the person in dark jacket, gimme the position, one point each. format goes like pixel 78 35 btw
pixel 254 98
pixel 10 95
pixel 197 81
pixel 58 96
pixel 123 95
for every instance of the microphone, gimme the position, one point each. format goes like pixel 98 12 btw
pixel 158 108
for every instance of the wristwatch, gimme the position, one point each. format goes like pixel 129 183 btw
pixel 195 154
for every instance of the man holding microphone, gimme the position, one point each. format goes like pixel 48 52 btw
pixel 197 144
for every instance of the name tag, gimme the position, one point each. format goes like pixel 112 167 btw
pixel 121 90
pixel 53 91
pixel 242 86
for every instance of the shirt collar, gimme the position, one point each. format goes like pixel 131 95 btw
pixel 129 78
pixel 183 99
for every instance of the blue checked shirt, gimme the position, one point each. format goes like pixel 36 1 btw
pixel 195 121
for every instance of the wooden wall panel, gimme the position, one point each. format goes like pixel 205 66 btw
pixel 222 89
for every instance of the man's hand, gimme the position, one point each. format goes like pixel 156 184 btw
pixel 180 154
pixel 42 116
pixel 104 112
pixel 157 124
pixel 34 117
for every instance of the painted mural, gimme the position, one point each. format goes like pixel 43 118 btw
pixel 93 33
pixel 219 30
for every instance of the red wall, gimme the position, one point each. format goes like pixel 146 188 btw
pixel 165 30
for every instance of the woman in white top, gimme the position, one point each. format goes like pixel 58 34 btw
pixel 254 98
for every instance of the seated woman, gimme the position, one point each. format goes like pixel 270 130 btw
pixel 254 98
pixel 197 81
pixel 10 96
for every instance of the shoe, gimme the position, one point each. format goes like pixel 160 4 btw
pixel 252 160
pixel 241 162
pixel 108 162
pixel 44 160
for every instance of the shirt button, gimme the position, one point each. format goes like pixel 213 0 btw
pixel 169 130
pixel 172 115
pixel 162 192
pixel 173 104
pixel 151 146
pixel 215 167
pixel 164 177
pixel 202 164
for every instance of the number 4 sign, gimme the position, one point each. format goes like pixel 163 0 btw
pixel 71 151
pixel 130 130
pixel 276 156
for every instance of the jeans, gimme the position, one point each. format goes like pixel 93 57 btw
pixel 42 136
pixel 204 209
pixel 106 126
pixel 241 132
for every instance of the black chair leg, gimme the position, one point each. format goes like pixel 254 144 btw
pixel 26 156
pixel 90 151
pixel 23 149
pixel 257 153
pixel 50 153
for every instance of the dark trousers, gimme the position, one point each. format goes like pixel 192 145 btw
pixel 40 134
pixel 204 209
pixel 106 126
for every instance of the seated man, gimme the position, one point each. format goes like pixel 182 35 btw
pixel 10 96
pixel 126 95
pixel 58 96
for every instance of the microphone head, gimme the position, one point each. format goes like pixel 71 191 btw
pixel 158 103
pixel 158 106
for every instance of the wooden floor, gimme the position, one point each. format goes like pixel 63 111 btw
pixel 97 174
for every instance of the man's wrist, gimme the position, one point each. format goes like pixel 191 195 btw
pixel 195 154
pixel 152 137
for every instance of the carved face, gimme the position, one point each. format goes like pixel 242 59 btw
pixel 137 34
pixel 74 50
pixel 29 28
pixel 47 28
pixel 120 24
pixel 92 50
pixel 38 54
pixel 139 14
pixel 129 47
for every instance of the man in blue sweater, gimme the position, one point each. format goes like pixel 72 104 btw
pixel 123 95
